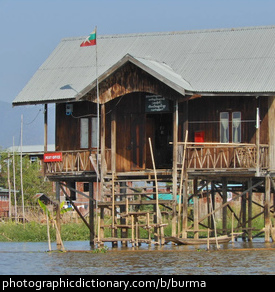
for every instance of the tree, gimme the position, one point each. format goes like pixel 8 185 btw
pixel 33 180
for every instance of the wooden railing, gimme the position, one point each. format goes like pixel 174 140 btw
pixel 74 162
pixel 215 156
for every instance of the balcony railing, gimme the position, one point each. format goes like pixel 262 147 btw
pixel 199 156
pixel 221 156
pixel 75 162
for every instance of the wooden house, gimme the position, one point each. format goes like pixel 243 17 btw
pixel 204 98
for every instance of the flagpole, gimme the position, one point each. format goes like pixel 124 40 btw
pixel 98 121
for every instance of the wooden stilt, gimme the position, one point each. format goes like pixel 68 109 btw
pixel 182 177
pixel 196 209
pixel 91 214
pixel 185 207
pixel 267 209
pixel 249 210
pixel 243 210
pixel 224 200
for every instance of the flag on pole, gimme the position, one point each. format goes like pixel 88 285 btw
pixel 90 40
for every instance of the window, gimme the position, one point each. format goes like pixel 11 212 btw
pixel 94 132
pixel 88 132
pixel 224 127
pixel 236 127
pixel 84 133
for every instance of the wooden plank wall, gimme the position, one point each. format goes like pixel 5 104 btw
pixel 206 111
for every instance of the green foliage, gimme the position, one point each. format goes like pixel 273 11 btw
pixel 35 232
pixel 33 180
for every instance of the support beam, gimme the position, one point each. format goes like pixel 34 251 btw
pixel 91 214
pixel 249 209
pixel 75 207
pixel 224 200
pixel 196 208
pixel 58 217
pixel 113 141
pixel 267 219
pixel 243 215
pixel 227 203
pixel 175 150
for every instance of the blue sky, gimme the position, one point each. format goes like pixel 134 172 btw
pixel 31 29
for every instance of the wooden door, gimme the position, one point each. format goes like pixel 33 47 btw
pixel 137 141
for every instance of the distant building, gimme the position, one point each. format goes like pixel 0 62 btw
pixel 4 202
pixel 35 152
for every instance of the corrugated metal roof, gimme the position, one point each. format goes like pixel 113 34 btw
pixel 240 60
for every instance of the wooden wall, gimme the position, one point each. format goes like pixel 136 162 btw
pixel 67 134
pixel 204 115
pixel 201 114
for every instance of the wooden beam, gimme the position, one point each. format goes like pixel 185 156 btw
pixel 224 200
pixel 91 214
pixel 175 149
pixel 113 141
pixel 267 218
pixel 75 207
pixel 227 203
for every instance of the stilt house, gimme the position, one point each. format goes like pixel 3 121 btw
pixel 205 99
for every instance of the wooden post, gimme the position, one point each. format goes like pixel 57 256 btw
pixel 185 207
pixel 267 208
pixel 175 151
pixel 224 200
pixel 250 209
pixel 91 214
pixel 243 209
pixel 113 140
pixel 58 217
pixel 158 213
pixel 196 209
pixel 232 227
pixel 124 209
pixel 258 138
pixel 182 176
pixel 133 230
pixel 212 207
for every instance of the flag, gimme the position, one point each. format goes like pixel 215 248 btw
pixel 90 40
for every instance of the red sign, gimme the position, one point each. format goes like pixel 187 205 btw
pixel 53 157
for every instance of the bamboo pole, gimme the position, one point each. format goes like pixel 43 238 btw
pixel 133 231
pixel 208 234
pixel 48 232
pixel 98 230
pixel 21 172
pixel 157 195
pixel 181 179
pixel 113 204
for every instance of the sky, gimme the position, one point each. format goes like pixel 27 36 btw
pixel 31 29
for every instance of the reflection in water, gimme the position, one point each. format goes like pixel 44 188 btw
pixel 240 258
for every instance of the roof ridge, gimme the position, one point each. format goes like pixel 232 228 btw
pixel 145 34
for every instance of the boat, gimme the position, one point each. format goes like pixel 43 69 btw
pixel 192 241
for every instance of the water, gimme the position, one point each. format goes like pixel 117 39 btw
pixel 242 258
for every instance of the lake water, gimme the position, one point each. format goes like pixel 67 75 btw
pixel 240 258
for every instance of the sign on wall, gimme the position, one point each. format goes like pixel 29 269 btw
pixel 156 103
pixel 53 157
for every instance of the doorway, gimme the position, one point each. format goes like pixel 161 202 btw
pixel 159 127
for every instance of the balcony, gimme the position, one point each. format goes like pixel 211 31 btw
pixel 204 157
pixel 223 157
pixel 75 163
